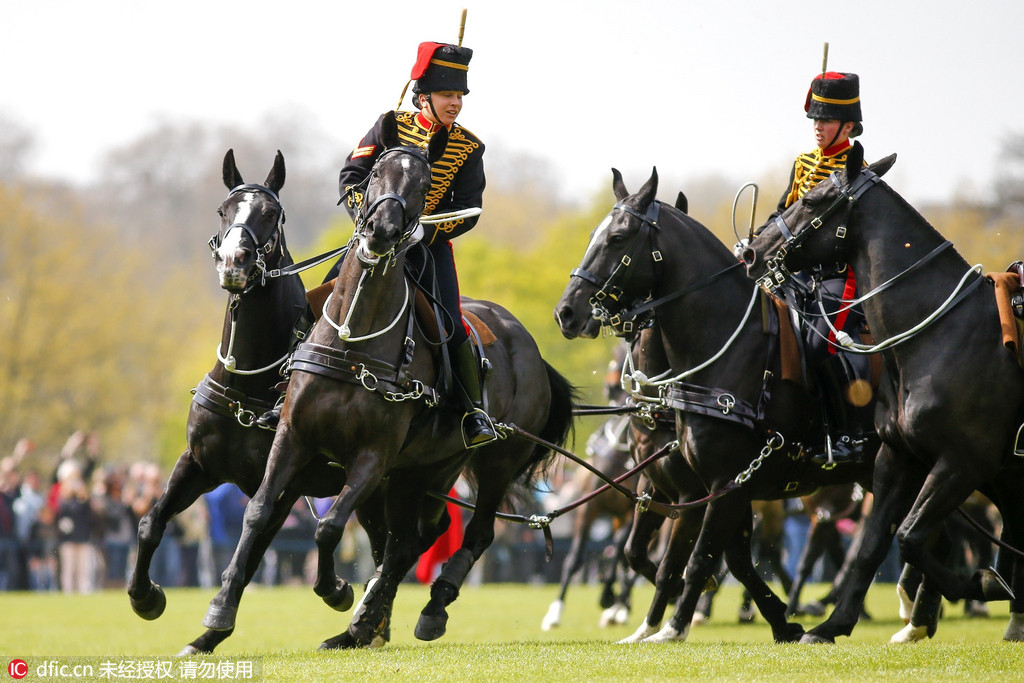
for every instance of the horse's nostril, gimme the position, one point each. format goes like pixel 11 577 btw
pixel 749 256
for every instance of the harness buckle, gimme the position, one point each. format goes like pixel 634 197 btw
pixel 841 232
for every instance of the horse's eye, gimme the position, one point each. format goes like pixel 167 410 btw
pixel 220 212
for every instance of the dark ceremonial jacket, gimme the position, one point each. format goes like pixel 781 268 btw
pixel 457 177
pixel 811 168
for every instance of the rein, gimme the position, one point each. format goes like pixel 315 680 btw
pixel 778 274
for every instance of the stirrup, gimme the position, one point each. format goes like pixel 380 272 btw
pixel 1018 443
pixel 485 435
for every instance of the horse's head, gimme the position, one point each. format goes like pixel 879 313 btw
pixel 813 229
pixel 251 221
pixel 395 193
pixel 612 275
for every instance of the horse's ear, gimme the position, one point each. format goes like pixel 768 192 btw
pixel 618 187
pixel 881 166
pixel 275 181
pixel 854 162
pixel 437 145
pixel 650 188
pixel 389 130
pixel 681 203
pixel 232 178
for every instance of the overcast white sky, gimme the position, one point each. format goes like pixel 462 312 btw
pixel 690 87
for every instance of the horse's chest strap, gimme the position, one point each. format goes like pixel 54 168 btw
pixel 717 403
pixel 358 368
pixel 229 402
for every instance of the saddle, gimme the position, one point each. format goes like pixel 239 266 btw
pixel 424 315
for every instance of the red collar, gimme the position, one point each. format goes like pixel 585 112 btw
pixel 836 149
pixel 426 124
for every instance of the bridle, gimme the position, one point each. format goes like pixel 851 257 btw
pixel 610 288
pixel 273 242
pixel 629 321
pixel 411 222
pixel 777 273
pixel 370 260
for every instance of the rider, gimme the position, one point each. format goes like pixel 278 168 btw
pixel 833 103
pixel 439 82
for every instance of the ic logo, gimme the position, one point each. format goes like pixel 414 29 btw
pixel 17 668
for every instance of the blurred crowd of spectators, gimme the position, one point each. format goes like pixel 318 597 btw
pixel 73 527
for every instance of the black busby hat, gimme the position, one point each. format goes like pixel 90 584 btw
pixel 835 95
pixel 440 66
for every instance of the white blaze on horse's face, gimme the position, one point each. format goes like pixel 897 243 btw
pixel 597 238
pixel 230 253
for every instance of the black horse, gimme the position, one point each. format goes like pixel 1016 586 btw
pixel 651 258
pixel 951 399
pixel 223 445
pixel 360 392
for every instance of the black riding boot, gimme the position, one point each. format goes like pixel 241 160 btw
pixel 845 439
pixel 477 429
pixel 300 331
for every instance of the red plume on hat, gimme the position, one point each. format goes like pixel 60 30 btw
pixel 423 56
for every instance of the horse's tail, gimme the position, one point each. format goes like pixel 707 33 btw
pixel 560 430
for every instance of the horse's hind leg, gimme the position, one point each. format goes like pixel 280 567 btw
pixel 772 608
pixel 939 496
pixel 186 483
pixel 479 535
pixel 895 488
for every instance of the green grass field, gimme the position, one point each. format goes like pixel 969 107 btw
pixel 494 635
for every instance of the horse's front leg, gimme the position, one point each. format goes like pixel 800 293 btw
pixel 186 483
pixel 266 506
pixel 364 475
pixel 211 638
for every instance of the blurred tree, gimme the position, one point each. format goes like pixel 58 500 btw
pixel 87 333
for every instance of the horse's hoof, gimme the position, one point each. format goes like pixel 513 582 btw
pixel 910 634
pixel 341 598
pixel 1015 629
pixel 815 639
pixel 791 634
pixel 220 618
pixel 190 650
pixel 342 641
pixel 553 617
pixel 154 604
pixel 992 585
pixel 645 631
pixel 431 628
pixel 607 598
pixel 617 614
pixel 668 634
pixel 747 615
